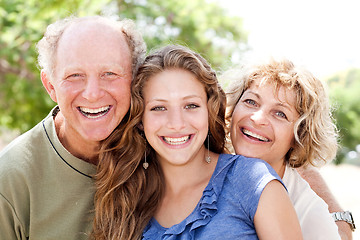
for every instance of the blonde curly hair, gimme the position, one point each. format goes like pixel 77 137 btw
pixel 315 132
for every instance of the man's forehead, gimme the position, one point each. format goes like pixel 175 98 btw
pixel 91 27
pixel 92 34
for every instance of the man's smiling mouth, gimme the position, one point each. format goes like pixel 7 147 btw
pixel 94 112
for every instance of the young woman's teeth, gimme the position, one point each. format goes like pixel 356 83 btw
pixel 254 135
pixel 176 141
pixel 94 112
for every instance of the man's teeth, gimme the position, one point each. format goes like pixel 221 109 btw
pixel 94 112
pixel 254 135
pixel 176 141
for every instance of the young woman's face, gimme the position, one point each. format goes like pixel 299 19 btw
pixel 175 118
pixel 262 123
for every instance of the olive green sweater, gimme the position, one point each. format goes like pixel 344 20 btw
pixel 45 192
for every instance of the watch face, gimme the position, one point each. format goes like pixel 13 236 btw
pixel 344 216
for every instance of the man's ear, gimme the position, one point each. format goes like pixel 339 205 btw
pixel 45 79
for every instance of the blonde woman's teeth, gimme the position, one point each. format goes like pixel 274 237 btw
pixel 254 135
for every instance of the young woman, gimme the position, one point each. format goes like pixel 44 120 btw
pixel 165 176
pixel 280 113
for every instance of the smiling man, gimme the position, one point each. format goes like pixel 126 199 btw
pixel 46 188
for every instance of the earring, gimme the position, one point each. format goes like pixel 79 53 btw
pixel 145 164
pixel 207 158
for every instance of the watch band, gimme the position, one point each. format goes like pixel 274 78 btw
pixel 344 216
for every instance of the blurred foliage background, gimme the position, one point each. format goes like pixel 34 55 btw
pixel 202 25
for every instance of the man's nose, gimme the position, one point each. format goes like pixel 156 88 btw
pixel 93 90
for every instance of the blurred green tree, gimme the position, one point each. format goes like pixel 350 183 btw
pixel 345 97
pixel 200 24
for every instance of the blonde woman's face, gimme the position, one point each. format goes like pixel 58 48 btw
pixel 262 124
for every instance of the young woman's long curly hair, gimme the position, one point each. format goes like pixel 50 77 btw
pixel 315 132
pixel 127 195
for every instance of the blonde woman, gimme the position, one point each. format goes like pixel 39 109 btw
pixel 280 113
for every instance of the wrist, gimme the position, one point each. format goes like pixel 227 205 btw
pixel 346 217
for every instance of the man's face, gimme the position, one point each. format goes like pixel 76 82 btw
pixel 91 81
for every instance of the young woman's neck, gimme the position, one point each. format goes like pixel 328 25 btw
pixel 195 173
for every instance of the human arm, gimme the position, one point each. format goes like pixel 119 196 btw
pixel 275 217
pixel 319 186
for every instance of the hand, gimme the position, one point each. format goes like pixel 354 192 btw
pixel 344 230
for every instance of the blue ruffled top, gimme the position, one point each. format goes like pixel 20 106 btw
pixel 227 207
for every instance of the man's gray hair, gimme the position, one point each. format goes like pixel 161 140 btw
pixel 47 46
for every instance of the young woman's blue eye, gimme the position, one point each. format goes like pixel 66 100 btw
pixel 191 106
pixel 158 108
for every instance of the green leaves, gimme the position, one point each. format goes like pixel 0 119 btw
pixel 199 24
pixel 345 97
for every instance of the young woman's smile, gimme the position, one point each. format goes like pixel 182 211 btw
pixel 176 116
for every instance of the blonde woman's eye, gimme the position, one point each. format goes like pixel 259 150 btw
pixel 250 102
pixel 281 114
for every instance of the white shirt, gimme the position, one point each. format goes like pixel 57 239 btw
pixel 315 220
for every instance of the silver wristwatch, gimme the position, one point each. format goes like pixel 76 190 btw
pixel 344 216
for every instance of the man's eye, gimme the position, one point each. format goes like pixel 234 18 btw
pixel 74 75
pixel 109 73
pixel 191 106
pixel 158 108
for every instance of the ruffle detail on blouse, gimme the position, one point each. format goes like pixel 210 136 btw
pixel 204 211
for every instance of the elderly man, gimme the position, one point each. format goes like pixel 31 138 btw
pixel 46 188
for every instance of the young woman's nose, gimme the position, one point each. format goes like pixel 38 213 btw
pixel 176 119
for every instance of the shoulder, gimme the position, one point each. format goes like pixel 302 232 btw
pixel 248 175
pixel 22 151
pixel 299 190
pixel 312 211
pixel 251 169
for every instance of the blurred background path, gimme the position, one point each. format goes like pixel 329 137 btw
pixel 343 180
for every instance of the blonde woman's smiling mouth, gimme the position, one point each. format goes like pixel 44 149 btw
pixel 253 135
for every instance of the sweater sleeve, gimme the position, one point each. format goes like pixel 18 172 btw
pixel 10 225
